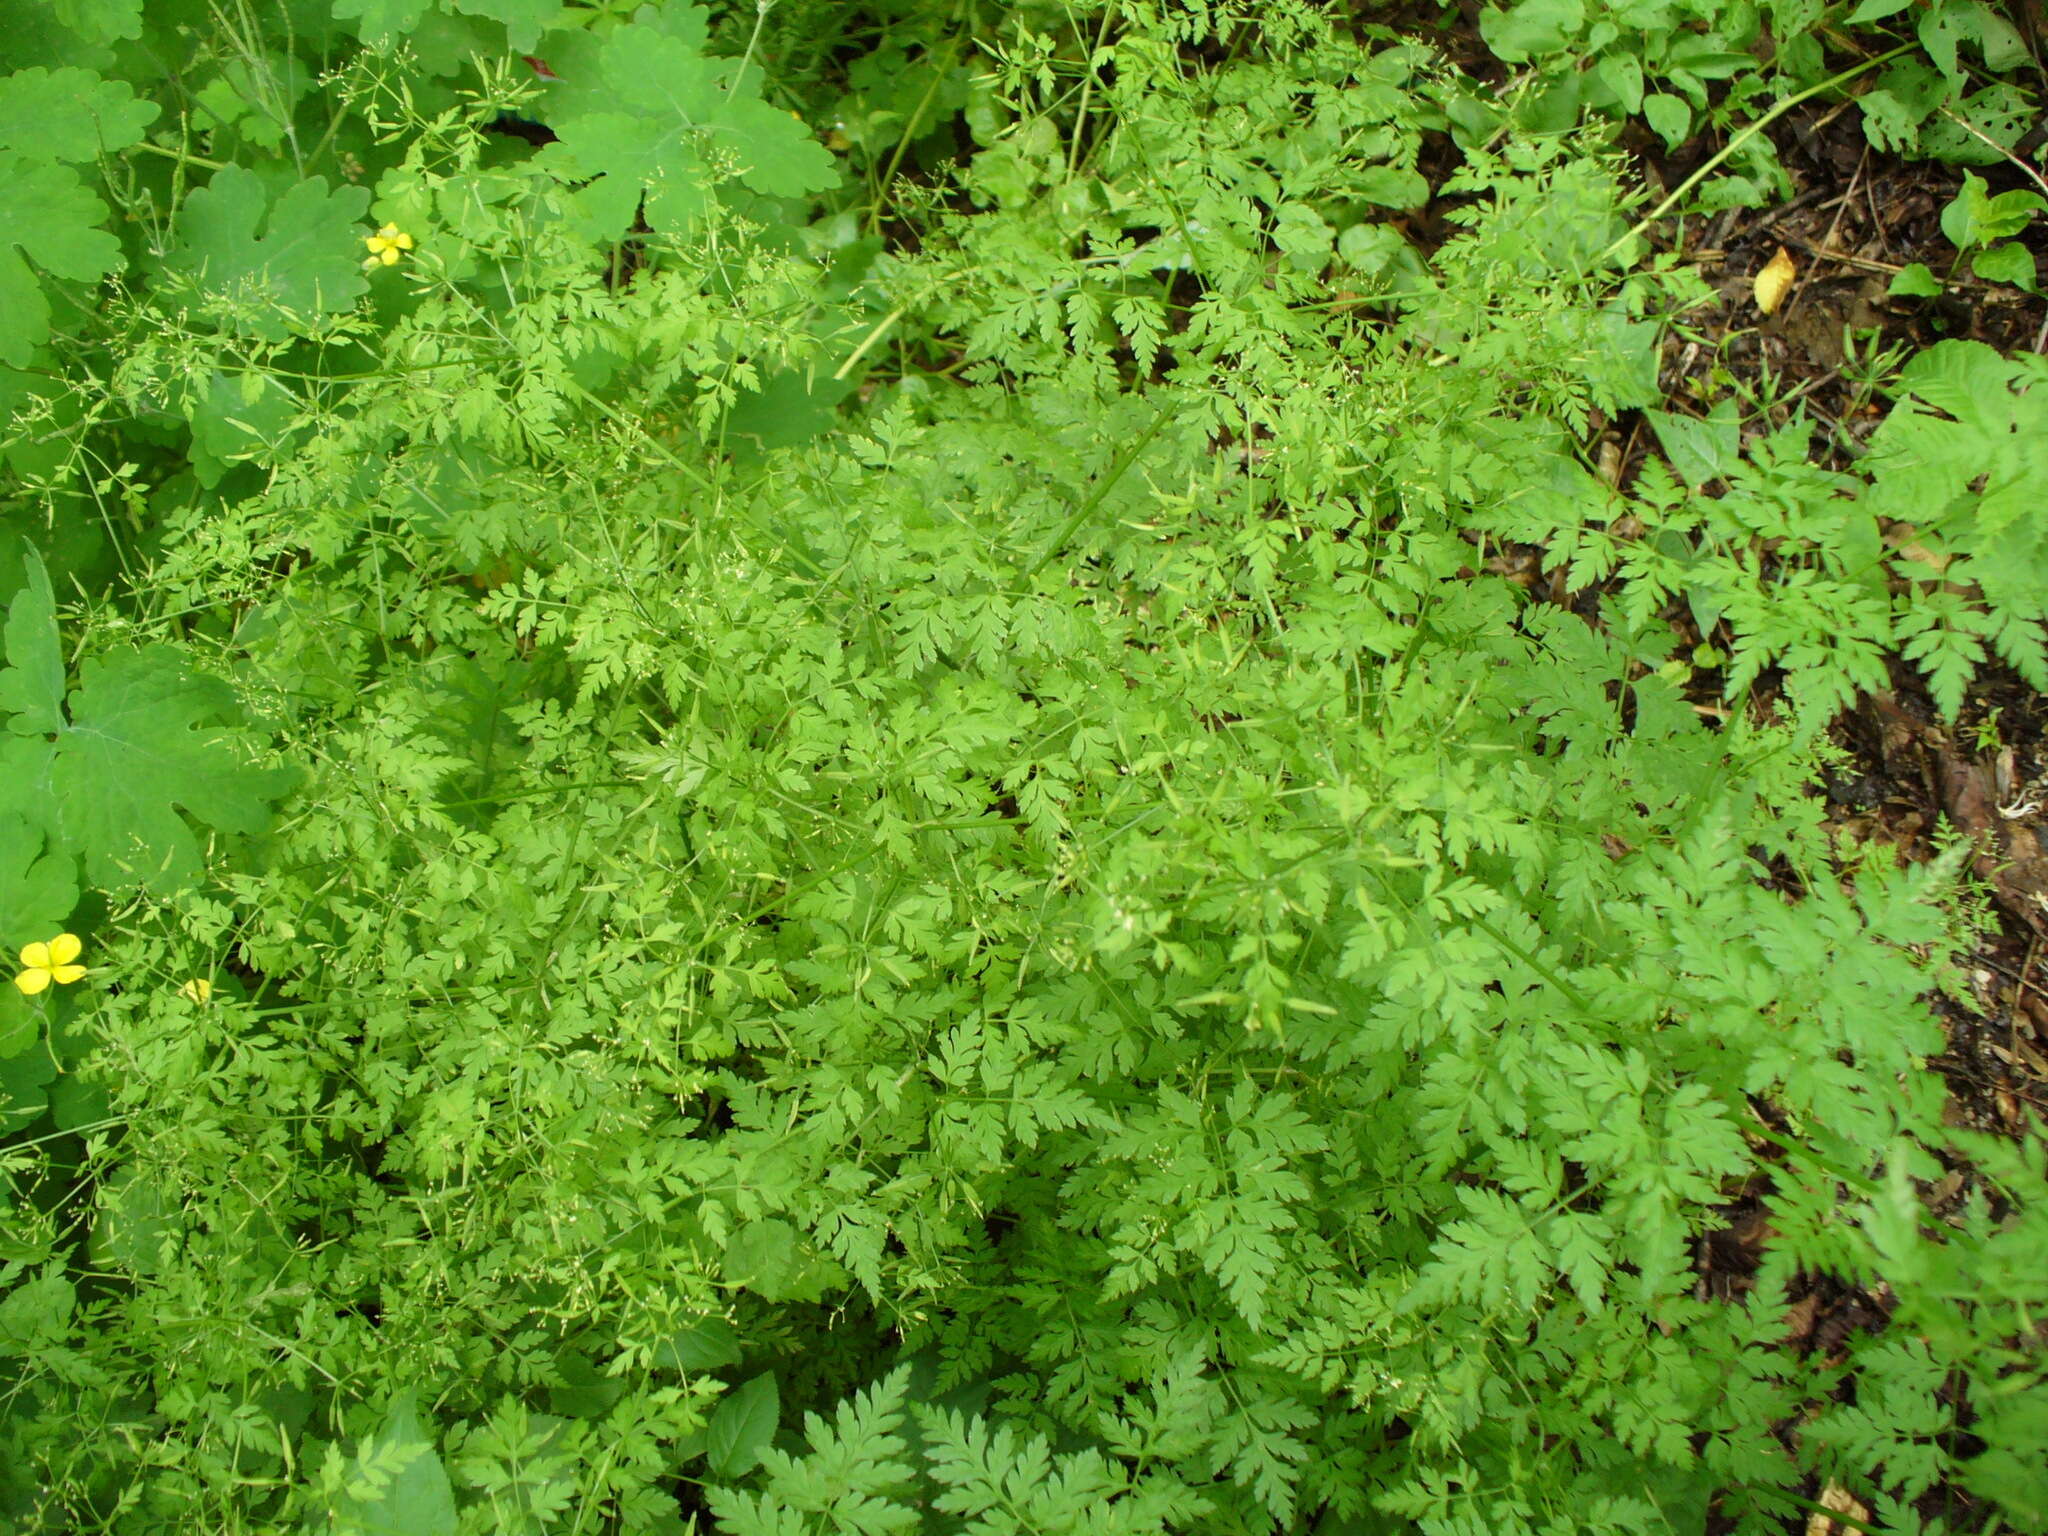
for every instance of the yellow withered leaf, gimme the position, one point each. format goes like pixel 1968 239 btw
pixel 1774 281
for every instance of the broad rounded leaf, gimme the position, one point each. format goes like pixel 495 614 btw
pixel 143 740
pixel 101 21
pixel 703 1345
pixel 2011 263
pixel 69 114
pixel 378 20
pixel 418 1500
pixel 742 1427
pixel 38 885
pixel 670 123
pixel 53 221
pixel 25 1078
pixel 32 682
pixel 524 19
pixel 300 257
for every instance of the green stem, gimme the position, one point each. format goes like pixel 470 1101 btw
pixel 184 157
pixel 867 342
pixel 1123 462
pixel 1716 161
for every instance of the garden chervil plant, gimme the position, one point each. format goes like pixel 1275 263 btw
pixel 932 875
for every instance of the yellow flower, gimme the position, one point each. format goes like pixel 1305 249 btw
pixel 44 963
pixel 385 246
pixel 197 990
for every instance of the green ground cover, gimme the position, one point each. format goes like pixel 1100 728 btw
pixel 801 787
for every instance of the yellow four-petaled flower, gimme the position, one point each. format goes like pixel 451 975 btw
pixel 42 964
pixel 385 246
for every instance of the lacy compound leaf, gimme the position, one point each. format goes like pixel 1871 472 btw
pixel 298 257
pixel 1978 478
pixel 53 221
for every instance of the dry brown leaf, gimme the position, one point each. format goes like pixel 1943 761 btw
pixel 1916 551
pixel 1835 1499
pixel 1775 281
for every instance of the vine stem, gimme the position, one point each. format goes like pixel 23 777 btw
pixel 1718 159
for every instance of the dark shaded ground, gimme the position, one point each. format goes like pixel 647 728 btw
pixel 1858 217
pixel 1855 219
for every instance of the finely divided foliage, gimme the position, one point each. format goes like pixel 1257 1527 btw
pixel 872 843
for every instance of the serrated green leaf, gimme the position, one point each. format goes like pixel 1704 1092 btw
pixel 1700 449
pixel 708 1344
pixel 1392 187
pixel 135 1216
pixel 418 1500
pixel 52 220
pixel 2010 263
pixel 101 21
pixel 762 1256
pixel 524 20
pixel 229 428
pixel 377 21
pixel 581 1390
pixel 1370 247
pixel 38 885
pixel 631 161
pixel 296 259
pixel 673 124
pixel 742 1427
pixel 142 742
pixel 1948 659
pixel 32 682
pixel 69 114
pixel 36 1313
pixel 1914 281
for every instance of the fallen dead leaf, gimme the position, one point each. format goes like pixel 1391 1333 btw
pixel 1922 555
pixel 1799 1319
pixel 1842 1502
pixel 2011 855
pixel 1773 282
